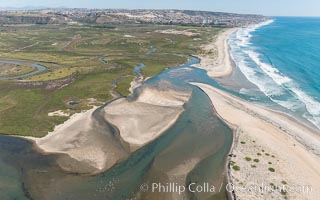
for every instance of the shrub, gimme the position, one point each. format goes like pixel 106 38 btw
pixel 248 158
pixel 271 169
pixel 256 160
pixel 283 192
pixel 236 167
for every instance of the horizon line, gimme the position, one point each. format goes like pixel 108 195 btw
pixel 34 8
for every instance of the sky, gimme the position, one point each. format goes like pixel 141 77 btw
pixel 264 7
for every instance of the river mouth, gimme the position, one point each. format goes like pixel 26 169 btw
pixel 193 150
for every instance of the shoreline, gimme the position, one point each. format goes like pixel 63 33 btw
pixel 261 135
pixel 216 60
pixel 308 142
pixel 228 103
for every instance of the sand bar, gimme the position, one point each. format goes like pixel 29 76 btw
pixel 87 142
pixel 146 118
pixel 90 145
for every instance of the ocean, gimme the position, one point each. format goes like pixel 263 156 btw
pixel 281 59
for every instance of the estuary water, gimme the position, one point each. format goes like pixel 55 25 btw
pixel 193 150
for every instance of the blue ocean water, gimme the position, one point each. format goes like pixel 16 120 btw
pixel 282 58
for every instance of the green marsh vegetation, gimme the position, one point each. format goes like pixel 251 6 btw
pixel 12 70
pixel 73 52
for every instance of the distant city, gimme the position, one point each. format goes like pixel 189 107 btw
pixel 123 16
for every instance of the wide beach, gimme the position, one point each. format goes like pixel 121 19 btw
pixel 274 155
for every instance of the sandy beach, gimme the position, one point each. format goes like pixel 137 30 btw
pixel 215 59
pixel 271 149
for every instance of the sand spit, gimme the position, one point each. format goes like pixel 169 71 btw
pixel 216 59
pixel 144 119
pixel 271 151
pixel 87 140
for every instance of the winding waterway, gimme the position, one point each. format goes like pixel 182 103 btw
pixel 193 150
pixel 40 68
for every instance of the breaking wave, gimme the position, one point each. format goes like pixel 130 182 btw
pixel 277 86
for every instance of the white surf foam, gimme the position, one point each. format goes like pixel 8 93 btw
pixel 244 36
pixel 312 106
pixel 269 79
pixel 271 71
